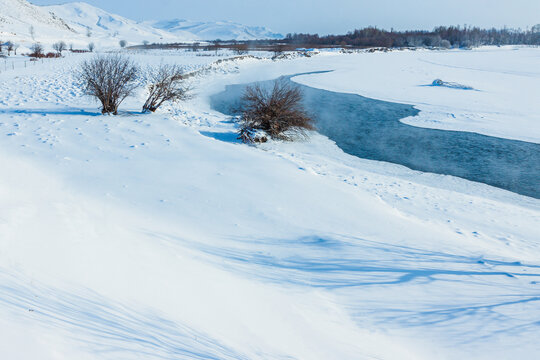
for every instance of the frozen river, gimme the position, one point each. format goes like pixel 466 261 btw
pixel 371 129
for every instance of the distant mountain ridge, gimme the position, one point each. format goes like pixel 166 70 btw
pixel 224 30
pixel 90 20
pixel 80 24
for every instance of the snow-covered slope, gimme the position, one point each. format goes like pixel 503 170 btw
pixel 76 23
pixel 80 23
pixel 17 17
pixel 99 24
pixel 159 236
pixel 223 30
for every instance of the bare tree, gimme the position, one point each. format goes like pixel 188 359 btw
pixel 91 47
pixel 37 50
pixel 167 83
pixel 146 42
pixel 445 44
pixel 10 47
pixel 122 43
pixel 277 111
pixel 279 49
pixel 59 47
pixel 110 79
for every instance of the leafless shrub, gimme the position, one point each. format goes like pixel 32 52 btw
pixel 91 47
pixel 167 83
pixel 11 47
pixel 37 50
pixel 59 47
pixel 110 79
pixel 279 49
pixel 445 44
pixel 122 43
pixel 278 112
pixel 51 55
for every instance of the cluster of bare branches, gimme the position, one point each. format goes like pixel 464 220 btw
pixel 278 112
pixel 37 50
pixel 167 83
pixel 10 46
pixel 111 79
pixel 59 47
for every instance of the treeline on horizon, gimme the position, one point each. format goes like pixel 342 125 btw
pixel 442 36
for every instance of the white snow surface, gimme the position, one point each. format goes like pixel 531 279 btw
pixel 161 237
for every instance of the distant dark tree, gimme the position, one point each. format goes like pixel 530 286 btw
pixel 10 47
pixel 445 44
pixel 91 47
pixel 122 43
pixel 277 111
pixel 110 79
pixel 167 83
pixel 146 42
pixel 37 50
pixel 59 47
pixel 458 36
pixel 279 49
pixel 32 32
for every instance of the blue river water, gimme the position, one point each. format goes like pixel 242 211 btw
pixel 371 129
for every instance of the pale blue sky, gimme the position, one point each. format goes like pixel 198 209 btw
pixel 331 16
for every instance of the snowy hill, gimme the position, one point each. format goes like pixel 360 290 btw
pixel 223 30
pixel 17 17
pixel 76 23
pixel 79 23
pixel 99 24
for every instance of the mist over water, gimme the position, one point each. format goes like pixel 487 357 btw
pixel 371 129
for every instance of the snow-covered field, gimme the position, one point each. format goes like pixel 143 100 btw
pixel 161 237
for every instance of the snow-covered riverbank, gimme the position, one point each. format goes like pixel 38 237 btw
pixel 159 236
